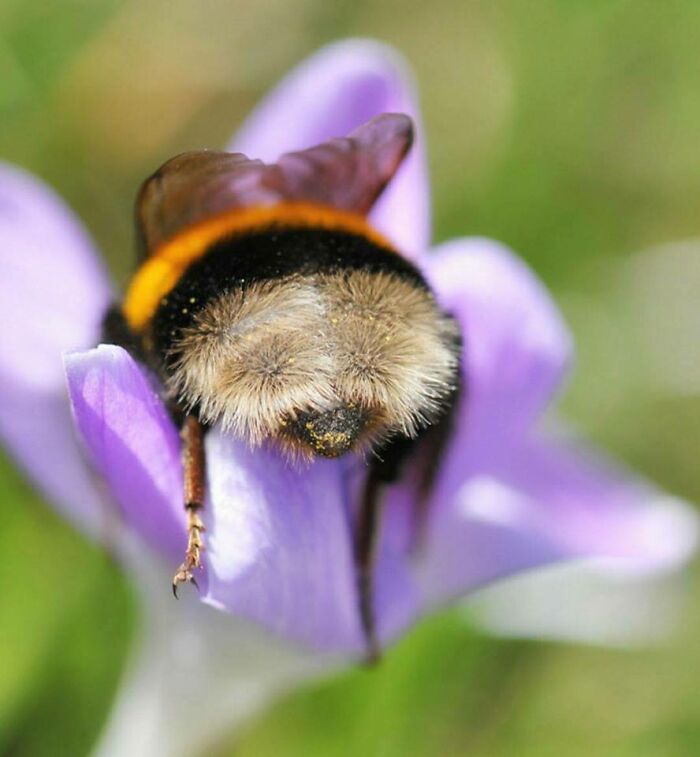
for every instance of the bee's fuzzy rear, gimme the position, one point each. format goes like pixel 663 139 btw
pixel 256 359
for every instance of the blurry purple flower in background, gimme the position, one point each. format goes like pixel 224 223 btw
pixel 508 497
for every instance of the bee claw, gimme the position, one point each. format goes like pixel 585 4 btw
pixel 184 576
pixel 193 554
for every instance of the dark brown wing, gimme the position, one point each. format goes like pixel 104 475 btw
pixel 189 188
pixel 347 173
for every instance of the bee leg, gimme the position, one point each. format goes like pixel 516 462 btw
pixel 430 449
pixel 433 446
pixel 192 435
pixel 424 454
pixel 368 528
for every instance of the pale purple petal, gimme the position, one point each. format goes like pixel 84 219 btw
pixel 331 94
pixel 131 442
pixel 516 345
pixel 279 545
pixel 544 502
pixel 280 548
pixel 189 658
pixel 503 503
pixel 53 293
pixel 586 601
pixel 398 601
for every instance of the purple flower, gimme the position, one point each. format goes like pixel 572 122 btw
pixel 509 496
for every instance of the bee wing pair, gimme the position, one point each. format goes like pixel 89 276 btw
pixel 346 173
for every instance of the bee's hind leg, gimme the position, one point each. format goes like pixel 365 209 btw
pixel 116 330
pixel 366 539
pixel 423 453
pixel 192 435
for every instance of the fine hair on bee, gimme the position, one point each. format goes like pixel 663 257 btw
pixel 269 306
pixel 263 361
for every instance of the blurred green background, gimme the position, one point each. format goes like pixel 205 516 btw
pixel 567 129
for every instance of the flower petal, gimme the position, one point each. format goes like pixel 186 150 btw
pixel 516 345
pixel 588 601
pixel 329 95
pixel 190 659
pixel 132 443
pixel 53 294
pixel 280 547
pixel 541 503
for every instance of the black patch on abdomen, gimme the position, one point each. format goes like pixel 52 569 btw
pixel 275 253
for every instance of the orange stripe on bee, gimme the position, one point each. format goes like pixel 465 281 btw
pixel 159 274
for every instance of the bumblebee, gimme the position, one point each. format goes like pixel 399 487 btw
pixel 266 303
